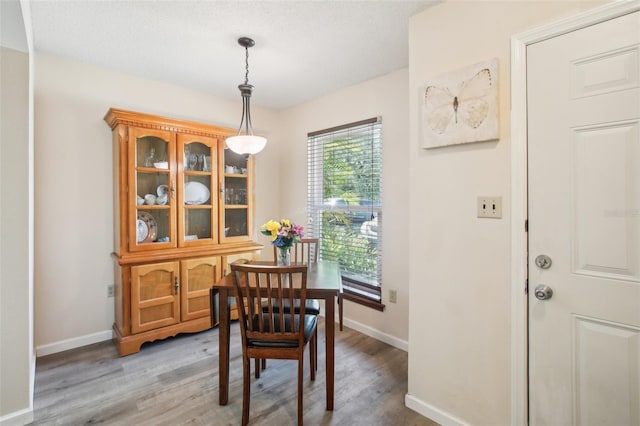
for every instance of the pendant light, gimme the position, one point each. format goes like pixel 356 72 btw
pixel 246 142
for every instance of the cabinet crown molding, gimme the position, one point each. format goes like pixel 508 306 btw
pixel 115 117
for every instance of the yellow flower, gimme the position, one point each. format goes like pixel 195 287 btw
pixel 273 227
pixel 286 223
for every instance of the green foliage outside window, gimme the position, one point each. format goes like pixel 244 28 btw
pixel 356 254
pixel 348 171
pixel 349 175
pixel 344 204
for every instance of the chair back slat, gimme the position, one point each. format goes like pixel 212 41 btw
pixel 274 284
pixel 305 251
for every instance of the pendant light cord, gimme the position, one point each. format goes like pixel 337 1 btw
pixel 246 61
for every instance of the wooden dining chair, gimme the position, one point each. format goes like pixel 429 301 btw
pixel 305 251
pixel 308 251
pixel 270 334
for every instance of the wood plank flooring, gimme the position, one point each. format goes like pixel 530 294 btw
pixel 175 382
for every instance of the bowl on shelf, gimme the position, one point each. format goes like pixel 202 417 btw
pixel 150 199
pixel 162 190
pixel 161 165
pixel 162 199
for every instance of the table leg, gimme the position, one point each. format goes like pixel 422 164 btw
pixel 330 330
pixel 224 330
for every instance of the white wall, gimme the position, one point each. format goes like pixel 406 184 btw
pixel 385 96
pixel 74 185
pixel 459 309
pixel 16 229
pixel 74 193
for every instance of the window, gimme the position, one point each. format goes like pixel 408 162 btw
pixel 345 204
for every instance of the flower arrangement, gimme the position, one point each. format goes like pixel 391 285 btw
pixel 284 234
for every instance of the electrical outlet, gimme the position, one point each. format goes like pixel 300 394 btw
pixel 111 291
pixel 490 207
pixel 393 296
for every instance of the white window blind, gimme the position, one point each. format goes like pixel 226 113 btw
pixel 345 200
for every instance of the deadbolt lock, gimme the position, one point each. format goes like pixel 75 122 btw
pixel 543 261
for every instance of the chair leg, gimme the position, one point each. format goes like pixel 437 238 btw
pixel 264 363
pixel 340 305
pixel 246 389
pixel 300 388
pixel 257 373
pixel 313 350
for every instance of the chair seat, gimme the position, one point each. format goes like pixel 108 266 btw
pixel 310 322
pixel 311 306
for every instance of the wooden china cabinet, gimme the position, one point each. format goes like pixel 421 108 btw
pixel 183 210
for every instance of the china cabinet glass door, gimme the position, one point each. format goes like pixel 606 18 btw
pixel 235 220
pixel 198 184
pixel 152 198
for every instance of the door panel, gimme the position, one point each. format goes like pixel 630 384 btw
pixel 151 224
pixel 198 190
pixel 584 213
pixel 606 239
pixel 198 275
pixel 154 296
pixel 606 360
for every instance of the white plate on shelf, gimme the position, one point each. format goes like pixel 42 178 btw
pixel 141 230
pixel 146 228
pixel 196 193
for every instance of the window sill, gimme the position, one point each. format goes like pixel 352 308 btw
pixel 362 300
pixel 362 293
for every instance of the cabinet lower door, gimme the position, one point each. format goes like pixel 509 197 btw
pixel 198 275
pixel 154 296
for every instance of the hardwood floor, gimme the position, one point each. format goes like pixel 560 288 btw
pixel 175 382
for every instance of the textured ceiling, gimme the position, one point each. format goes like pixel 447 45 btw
pixel 304 49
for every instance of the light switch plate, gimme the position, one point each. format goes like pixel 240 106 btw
pixel 490 207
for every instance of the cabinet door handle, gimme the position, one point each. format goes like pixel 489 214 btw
pixel 173 189
pixel 176 285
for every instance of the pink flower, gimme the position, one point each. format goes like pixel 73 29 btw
pixel 297 230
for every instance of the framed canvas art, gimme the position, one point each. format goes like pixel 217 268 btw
pixel 460 106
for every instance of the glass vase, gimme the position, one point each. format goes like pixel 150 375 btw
pixel 284 256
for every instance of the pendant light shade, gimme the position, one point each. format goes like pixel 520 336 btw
pixel 245 142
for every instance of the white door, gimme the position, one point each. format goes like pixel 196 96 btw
pixel 583 96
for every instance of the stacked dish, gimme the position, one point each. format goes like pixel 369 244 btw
pixel 146 228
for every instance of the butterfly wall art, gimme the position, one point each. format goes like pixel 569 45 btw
pixel 461 106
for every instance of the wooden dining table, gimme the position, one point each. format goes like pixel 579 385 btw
pixel 323 282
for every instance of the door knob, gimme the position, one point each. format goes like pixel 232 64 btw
pixel 543 292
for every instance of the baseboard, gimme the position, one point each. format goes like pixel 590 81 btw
pixel 376 334
pixel 76 342
pixel 101 336
pixel 18 418
pixel 431 412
